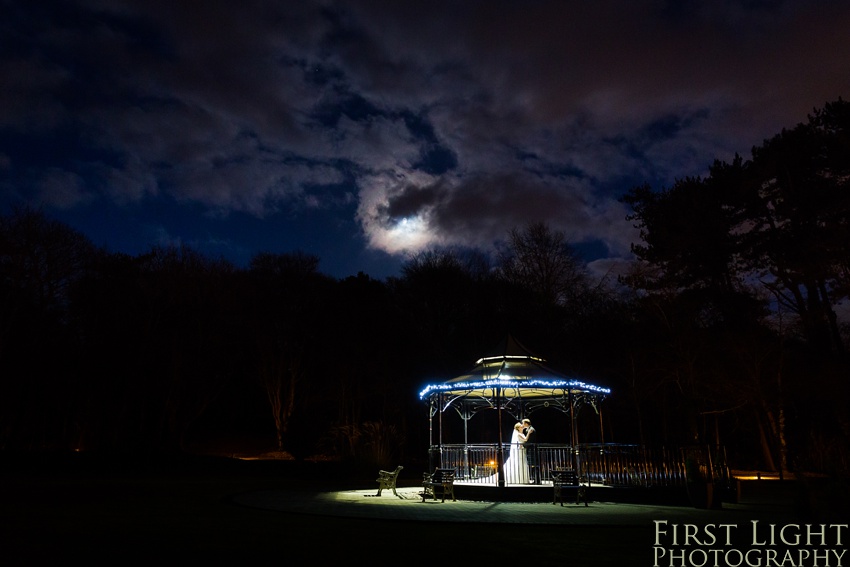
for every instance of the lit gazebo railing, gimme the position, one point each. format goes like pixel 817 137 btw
pixel 477 463
pixel 607 464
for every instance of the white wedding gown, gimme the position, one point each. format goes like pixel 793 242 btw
pixel 516 465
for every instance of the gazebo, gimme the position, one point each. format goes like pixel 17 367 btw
pixel 515 383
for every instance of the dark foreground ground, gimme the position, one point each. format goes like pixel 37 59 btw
pixel 125 514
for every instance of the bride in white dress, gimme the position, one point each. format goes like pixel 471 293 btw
pixel 516 465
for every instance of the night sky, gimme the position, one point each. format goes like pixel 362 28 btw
pixel 362 132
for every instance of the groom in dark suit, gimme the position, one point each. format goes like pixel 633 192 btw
pixel 527 430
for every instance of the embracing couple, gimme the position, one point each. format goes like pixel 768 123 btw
pixel 516 465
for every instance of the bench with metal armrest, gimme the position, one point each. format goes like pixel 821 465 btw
pixel 439 483
pixel 565 481
pixel 387 479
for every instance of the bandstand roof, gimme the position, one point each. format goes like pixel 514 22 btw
pixel 512 371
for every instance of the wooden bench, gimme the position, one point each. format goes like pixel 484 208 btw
pixel 567 480
pixel 387 479
pixel 441 481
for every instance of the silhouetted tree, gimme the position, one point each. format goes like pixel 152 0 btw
pixel 792 203
pixel 540 259
pixel 445 299
pixel 368 382
pixel 158 346
pixel 287 293
pixel 40 260
pixel 776 225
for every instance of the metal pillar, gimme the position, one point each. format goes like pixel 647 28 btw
pixel 500 454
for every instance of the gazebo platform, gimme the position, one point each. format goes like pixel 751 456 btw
pixel 544 492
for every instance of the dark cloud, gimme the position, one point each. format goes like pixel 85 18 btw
pixel 412 200
pixel 443 123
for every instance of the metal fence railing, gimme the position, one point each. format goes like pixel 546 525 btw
pixel 603 463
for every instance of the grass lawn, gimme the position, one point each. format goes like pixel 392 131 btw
pixel 122 517
pixel 122 521
pixel 119 513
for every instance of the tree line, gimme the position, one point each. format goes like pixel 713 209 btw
pixel 726 328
